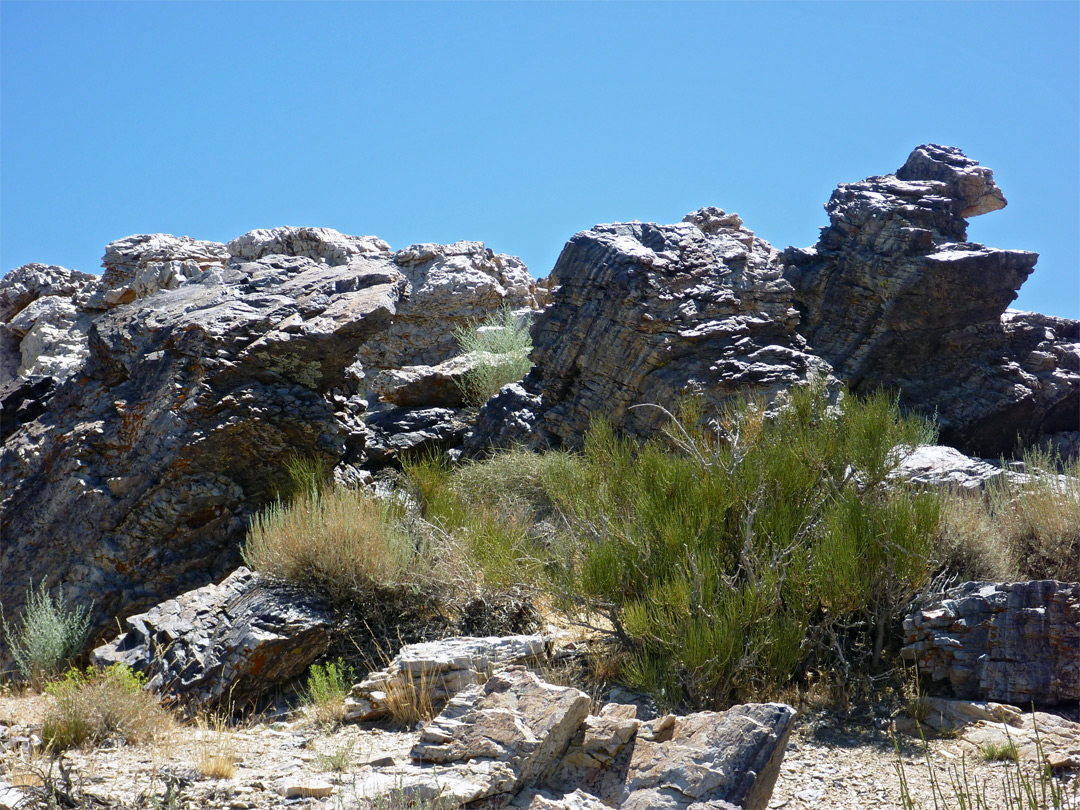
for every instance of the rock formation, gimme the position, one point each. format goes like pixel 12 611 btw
pixel 517 741
pixel 645 314
pixel 188 375
pixel 224 643
pixel 893 296
pixel 1015 642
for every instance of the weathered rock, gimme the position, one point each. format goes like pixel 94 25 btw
pixel 227 642
pixel 439 386
pixel 42 334
pixel 440 669
pixel 521 741
pixel 391 433
pixel 1039 737
pixel 645 314
pixel 449 287
pixel 1012 642
pixel 894 297
pixel 945 467
pixel 206 369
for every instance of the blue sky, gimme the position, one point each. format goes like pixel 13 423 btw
pixel 520 124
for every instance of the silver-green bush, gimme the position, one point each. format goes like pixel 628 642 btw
pixel 49 635
pixel 501 346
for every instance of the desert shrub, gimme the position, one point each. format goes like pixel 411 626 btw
pixel 327 687
pixel 350 546
pixel 728 557
pixel 501 344
pixel 98 705
pixel 1015 530
pixel 49 636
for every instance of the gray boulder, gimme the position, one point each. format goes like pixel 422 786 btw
pixel 1013 642
pixel 893 296
pixel 230 642
pixel 645 314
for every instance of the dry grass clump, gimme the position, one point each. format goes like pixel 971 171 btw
pixel 410 700
pixel 1017 530
pixel 217 748
pixel 98 705
pixel 354 548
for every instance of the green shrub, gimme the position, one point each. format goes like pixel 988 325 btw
pixel 327 687
pixel 501 344
pixel 728 558
pixel 49 636
pixel 98 705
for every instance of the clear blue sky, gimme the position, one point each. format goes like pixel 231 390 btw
pixel 521 124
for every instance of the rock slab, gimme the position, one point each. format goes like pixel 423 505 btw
pixel 229 642
pixel 1013 642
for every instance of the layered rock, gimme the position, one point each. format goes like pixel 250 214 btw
pixel 645 314
pixel 1013 642
pixel 438 670
pixel 129 478
pixel 517 741
pixel 229 642
pixel 893 296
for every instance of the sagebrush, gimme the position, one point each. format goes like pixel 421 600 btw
pixel 48 637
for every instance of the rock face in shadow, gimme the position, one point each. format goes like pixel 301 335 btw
pixel 1015 642
pixel 230 642
pixel 894 296
pixel 192 373
pixel 646 314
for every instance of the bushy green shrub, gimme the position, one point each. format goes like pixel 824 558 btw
pixel 97 705
pixel 49 636
pixel 501 345
pixel 729 557
pixel 327 687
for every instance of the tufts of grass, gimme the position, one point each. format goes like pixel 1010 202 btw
pixel 339 759
pixel 49 636
pixel 327 687
pixel 217 748
pixel 999 752
pixel 1017 530
pixel 95 706
pixel 501 345
pixel 352 547
pixel 409 700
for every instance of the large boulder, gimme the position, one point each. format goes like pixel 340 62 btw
pixel 225 643
pixel 1014 642
pixel 129 470
pixel 893 296
pixel 644 314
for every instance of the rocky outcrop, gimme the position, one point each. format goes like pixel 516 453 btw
pixel 438 670
pixel 516 740
pixel 204 368
pixel 224 643
pixel 893 296
pixel 645 314
pixel 1012 642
